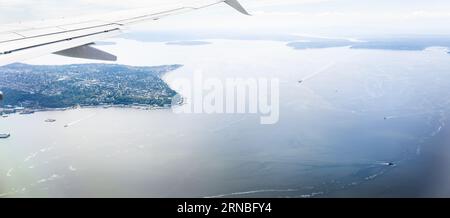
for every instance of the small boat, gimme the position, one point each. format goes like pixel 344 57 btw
pixel 391 164
pixel 50 120
pixel 4 136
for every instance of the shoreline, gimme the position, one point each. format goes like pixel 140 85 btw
pixel 27 111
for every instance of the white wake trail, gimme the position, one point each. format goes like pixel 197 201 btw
pixel 80 120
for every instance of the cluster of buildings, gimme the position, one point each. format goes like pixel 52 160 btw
pixel 8 109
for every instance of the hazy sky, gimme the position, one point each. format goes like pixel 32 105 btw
pixel 339 17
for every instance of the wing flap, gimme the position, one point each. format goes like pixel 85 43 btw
pixel 9 37
pixel 36 32
pixel 84 25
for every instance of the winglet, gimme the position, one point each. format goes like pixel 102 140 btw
pixel 236 5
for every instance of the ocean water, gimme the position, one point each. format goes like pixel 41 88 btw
pixel 362 123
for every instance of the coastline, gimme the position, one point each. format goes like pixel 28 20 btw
pixel 137 107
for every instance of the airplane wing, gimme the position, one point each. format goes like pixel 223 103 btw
pixel 74 37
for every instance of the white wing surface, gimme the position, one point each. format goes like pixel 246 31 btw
pixel 73 37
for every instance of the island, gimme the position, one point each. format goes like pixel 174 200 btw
pixel 407 43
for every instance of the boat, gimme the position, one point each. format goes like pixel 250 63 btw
pixel 50 120
pixel 4 136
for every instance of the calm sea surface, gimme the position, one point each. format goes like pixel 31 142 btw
pixel 361 124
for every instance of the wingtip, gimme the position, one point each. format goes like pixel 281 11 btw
pixel 236 5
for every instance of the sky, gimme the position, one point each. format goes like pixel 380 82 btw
pixel 321 17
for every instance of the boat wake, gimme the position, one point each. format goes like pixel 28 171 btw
pixel 78 121
pixel 252 192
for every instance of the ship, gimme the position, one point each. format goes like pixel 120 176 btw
pixel 4 136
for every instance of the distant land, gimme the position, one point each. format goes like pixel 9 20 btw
pixel 320 43
pixel 188 43
pixel 64 86
pixel 173 36
pixel 299 41
pixel 395 43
